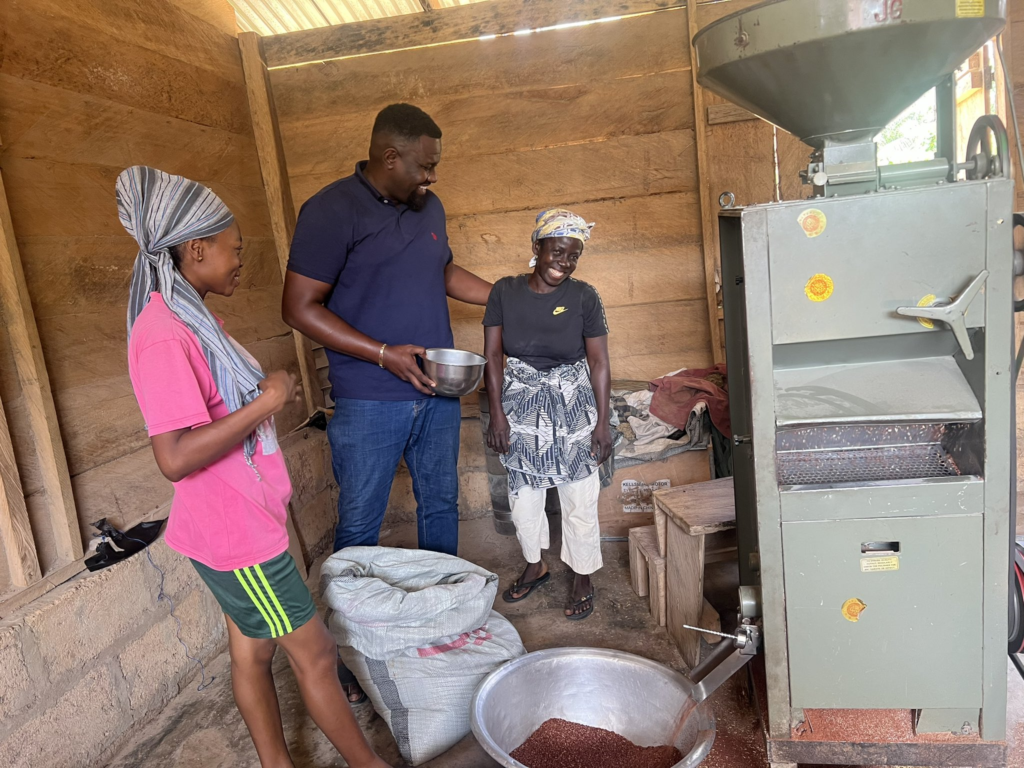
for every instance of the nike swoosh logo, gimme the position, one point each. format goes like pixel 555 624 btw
pixel 559 310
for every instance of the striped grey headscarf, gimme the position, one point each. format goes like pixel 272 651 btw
pixel 160 210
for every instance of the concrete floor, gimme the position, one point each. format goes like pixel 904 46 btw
pixel 204 729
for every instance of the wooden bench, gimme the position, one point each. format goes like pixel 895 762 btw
pixel 687 519
pixel 647 570
pixel 640 543
pixel 647 576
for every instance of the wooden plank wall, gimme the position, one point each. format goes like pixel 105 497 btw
pixel 1013 45
pixel 744 155
pixel 597 118
pixel 1013 48
pixel 87 88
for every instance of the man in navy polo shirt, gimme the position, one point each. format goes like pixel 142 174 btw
pixel 369 276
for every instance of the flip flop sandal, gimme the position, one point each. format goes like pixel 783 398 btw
pixel 574 605
pixel 347 679
pixel 362 695
pixel 529 586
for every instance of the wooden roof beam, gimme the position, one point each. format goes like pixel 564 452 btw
pixel 464 22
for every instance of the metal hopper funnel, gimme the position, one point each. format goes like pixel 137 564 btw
pixel 840 70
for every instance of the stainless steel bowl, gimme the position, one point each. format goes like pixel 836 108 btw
pixel 455 372
pixel 634 697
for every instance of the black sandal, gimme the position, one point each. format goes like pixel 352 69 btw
pixel 528 586
pixel 362 694
pixel 347 680
pixel 574 605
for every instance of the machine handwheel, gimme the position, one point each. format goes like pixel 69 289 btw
pixel 980 164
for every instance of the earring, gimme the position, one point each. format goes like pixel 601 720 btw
pixel 199 258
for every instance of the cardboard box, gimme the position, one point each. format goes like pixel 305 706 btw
pixel 627 502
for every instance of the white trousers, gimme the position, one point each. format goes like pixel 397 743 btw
pixel 581 536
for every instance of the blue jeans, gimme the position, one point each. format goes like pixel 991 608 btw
pixel 368 437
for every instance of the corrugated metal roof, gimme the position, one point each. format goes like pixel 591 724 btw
pixel 272 17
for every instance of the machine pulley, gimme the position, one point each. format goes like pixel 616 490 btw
pixel 980 163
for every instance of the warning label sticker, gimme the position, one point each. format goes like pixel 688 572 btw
pixel 876 564
pixel 970 9
pixel 638 496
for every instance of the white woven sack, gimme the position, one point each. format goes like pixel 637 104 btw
pixel 417 630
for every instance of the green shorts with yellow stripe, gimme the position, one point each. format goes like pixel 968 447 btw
pixel 267 600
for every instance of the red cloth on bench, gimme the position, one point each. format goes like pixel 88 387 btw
pixel 677 395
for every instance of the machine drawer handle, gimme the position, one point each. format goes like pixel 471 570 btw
pixel 880 547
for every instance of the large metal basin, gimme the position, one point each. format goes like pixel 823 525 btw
pixel 634 697
pixel 455 372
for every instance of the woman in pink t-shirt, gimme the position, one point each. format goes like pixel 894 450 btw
pixel 209 412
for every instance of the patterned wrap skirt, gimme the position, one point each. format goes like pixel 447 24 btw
pixel 552 415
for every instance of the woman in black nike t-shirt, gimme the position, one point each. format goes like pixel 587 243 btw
pixel 550 409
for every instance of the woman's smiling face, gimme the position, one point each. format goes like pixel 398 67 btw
pixel 556 258
pixel 224 261
pixel 212 264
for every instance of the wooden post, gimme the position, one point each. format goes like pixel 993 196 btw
pixel 276 186
pixel 16 307
pixel 15 531
pixel 709 241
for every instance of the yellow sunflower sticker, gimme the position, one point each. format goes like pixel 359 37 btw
pixel 812 222
pixel 852 609
pixel 927 301
pixel 819 287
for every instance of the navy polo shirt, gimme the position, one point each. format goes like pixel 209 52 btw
pixel 386 263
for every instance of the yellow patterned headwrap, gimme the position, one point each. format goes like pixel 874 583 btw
pixel 558 222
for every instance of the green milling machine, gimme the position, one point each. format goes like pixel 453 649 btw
pixel 870 349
